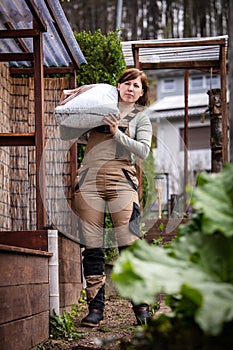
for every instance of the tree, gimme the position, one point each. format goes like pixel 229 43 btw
pixel 151 19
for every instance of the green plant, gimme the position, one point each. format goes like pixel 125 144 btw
pixel 149 194
pixel 195 271
pixel 105 59
pixel 63 327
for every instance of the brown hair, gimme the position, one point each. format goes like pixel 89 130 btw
pixel 134 73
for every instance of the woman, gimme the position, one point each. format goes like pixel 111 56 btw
pixel 108 182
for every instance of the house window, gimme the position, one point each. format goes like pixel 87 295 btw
pixel 215 81
pixel 198 138
pixel 197 83
pixel 168 85
pixel 201 82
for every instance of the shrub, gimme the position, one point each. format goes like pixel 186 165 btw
pixel 105 59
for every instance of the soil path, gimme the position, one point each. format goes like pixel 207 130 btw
pixel 119 326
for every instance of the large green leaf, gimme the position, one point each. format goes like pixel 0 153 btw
pixel 196 269
pixel 214 197
pixel 212 254
pixel 144 271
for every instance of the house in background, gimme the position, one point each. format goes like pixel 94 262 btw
pixel 168 112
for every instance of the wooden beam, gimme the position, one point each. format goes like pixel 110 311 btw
pixel 18 33
pixel 181 43
pixel 181 65
pixel 61 33
pixel 37 240
pixel 40 132
pixel 135 56
pixel 19 41
pixel 14 139
pixel 36 15
pixel 73 161
pixel 47 70
pixel 225 122
pixel 186 109
pixel 19 56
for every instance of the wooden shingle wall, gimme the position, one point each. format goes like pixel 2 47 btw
pixel 17 178
pixel 17 164
pixel 5 219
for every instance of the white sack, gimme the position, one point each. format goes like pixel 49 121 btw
pixel 86 110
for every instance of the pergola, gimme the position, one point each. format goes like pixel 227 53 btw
pixel 205 54
pixel 36 39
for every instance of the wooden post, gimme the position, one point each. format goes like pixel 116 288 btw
pixel 39 130
pixel 73 161
pixel 186 78
pixel 224 112
pixel 215 107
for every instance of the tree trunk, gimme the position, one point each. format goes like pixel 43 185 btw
pixel 215 108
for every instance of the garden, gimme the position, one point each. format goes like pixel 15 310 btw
pixel 188 282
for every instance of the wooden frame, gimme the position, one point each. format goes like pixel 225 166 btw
pixel 38 70
pixel 216 65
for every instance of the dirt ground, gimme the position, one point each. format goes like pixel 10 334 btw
pixel 118 326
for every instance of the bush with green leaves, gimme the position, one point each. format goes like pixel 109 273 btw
pixel 104 55
pixel 196 269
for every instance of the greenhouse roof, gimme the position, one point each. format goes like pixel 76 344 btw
pixel 22 20
pixel 176 53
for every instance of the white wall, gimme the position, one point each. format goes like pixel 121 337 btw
pixel 169 158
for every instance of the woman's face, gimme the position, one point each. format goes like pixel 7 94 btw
pixel 131 90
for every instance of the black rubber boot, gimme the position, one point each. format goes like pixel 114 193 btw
pixel 93 319
pixel 142 314
pixel 93 264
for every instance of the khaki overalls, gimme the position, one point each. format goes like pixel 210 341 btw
pixel 106 181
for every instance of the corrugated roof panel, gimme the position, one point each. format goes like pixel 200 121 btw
pixel 175 53
pixel 177 113
pixel 173 106
pixel 55 54
pixel 177 101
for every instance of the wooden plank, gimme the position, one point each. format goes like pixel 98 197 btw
pixel 40 132
pixel 225 121
pixel 37 240
pixel 69 271
pixel 60 30
pixel 19 56
pixel 19 41
pixel 163 228
pixel 47 70
pixel 69 294
pixel 37 15
pixel 22 268
pixel 68 249
pixel 19 33
pixel 22 139
pixel 178 65
pixel 19 250
pixel 22 301
pixel 69 260
pixel 180 43
pixel 26 333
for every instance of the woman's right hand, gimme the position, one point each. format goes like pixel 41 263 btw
pixel 112 121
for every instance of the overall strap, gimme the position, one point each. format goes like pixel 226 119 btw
pixel 132 114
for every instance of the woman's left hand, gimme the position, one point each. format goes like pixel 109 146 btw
pixel 112 121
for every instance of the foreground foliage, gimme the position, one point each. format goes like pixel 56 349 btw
pixel 195 270
pixel 62 326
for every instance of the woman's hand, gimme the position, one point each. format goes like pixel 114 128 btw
pixel 112 121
